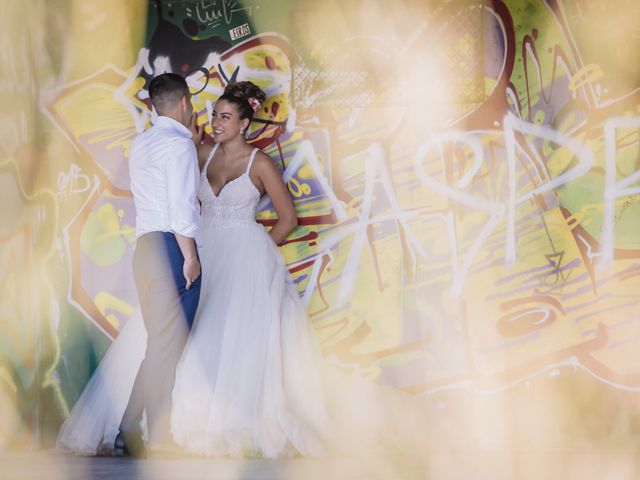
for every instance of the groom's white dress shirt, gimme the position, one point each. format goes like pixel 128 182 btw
pixel 163 165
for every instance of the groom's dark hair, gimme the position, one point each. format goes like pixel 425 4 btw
pixel 166 90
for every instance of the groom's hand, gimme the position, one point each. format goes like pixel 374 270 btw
pixel 191 270
pixel 197 132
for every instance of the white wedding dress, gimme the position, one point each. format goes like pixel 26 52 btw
pixel 251 381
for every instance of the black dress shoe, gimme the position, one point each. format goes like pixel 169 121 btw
pixel 120 447
pixel 129 444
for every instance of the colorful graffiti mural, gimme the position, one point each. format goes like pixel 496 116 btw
pixel 465 173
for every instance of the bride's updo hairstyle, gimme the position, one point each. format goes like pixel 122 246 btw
pixel 246 96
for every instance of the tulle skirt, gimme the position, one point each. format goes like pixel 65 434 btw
pixel 94 420
pixel 251 381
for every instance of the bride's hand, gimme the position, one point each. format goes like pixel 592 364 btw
pixel 197 132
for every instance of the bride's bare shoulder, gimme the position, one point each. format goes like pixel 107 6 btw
pixel 204 149
pixel 263 160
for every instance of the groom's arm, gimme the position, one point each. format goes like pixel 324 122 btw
pixel 182 183
pixel 191 266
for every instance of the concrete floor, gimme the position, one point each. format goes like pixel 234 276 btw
pixel 58 466
pixel 543 465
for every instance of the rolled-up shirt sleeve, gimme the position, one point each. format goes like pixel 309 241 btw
pixel 182 184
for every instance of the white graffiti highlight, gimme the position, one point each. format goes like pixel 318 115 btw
pixel 73 181
pixel 306 154
pixel 614 190
pixel 374 167
pixel 140 116
pixel 494 210
pixel 584 155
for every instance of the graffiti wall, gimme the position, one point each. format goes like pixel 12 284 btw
pixel 466 176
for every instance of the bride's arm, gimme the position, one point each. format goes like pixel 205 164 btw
pixel 203 148
pixel 271 180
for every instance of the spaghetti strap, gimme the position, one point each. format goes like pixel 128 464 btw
pixel 206 164
pixel 251 158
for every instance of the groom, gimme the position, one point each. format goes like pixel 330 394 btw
pixel 164 177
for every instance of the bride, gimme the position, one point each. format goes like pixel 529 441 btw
pixel 251 380
pixel 248 381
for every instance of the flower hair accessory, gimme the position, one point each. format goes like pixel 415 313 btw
pixel 255 104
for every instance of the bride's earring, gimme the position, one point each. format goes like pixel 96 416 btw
pixel 242 131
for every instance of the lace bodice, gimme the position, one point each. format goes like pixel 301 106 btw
pixel 237 201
